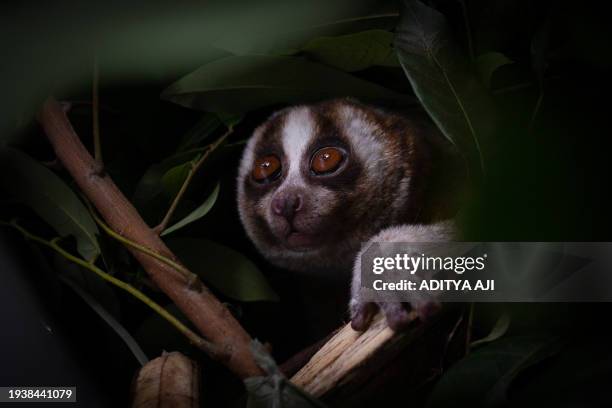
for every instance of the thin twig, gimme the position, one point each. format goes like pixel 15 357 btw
pixel 95 113
pixel 191 278
pixel 198 341
pixel 194 168
pixel 212 319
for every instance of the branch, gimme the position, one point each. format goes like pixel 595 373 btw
pixel 363 367
pixel 96 112
pixel 342 355
pixel 212 319
pixel 194 168
pixel 198 341
pixel 191 278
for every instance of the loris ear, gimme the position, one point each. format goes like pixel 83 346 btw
pixel 397 313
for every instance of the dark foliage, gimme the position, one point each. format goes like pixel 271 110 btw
pixel 521 89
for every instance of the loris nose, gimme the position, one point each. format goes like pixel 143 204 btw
pixel 287 204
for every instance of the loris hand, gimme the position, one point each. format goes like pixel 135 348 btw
pixel 397 313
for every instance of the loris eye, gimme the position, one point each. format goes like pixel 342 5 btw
pixel 327 160
pixel 266 168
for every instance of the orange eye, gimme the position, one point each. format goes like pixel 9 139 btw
pixel 326 160
pixel 266 168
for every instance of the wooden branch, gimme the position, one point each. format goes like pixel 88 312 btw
pixel 210 317
pixel 342 355
pixel 353 367
pixel 196 340
pixel 95 112
pixel 294 363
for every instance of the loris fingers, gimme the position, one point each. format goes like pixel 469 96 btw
pixel 397 315
pixel 362 314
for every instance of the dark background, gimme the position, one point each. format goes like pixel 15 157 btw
pixel 548 181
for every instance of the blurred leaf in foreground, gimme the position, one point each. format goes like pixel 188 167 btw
pixel 441 78
pixel 354 52
pixel 286 37
pixel 243 83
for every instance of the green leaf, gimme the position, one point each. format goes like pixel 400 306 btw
pixel 223 268
pixel 354 52
pixel 46 194
pixel 495 365
pixel 488 63
pixel 196 214
pixel 439 73
pixel 150 185
pixel 200 132
pixel 385 18
pixel 241 84
pixel 206 127
pixel 290 39
pixel 501 327
pixel 174 178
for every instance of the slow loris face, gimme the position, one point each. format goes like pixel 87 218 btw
pixel 316 181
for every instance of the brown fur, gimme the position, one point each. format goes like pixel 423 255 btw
pixel 390 177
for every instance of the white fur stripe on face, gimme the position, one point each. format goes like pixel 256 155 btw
pixel 298 131
pixel 364 138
